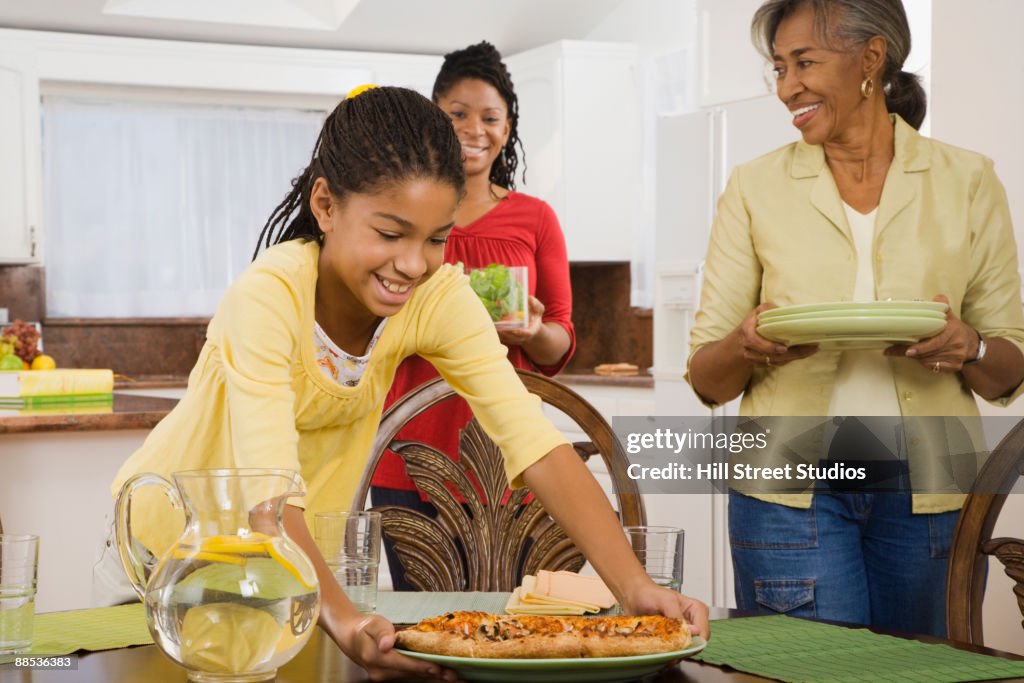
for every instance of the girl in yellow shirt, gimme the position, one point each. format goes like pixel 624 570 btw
pixel 354 266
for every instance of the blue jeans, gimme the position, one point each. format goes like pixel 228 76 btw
pixel 853 557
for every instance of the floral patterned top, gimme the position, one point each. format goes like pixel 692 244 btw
pixel 336 363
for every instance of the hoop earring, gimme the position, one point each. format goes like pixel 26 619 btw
pixel 867 87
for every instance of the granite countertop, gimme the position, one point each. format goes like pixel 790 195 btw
pixel 642 380
pixel 127 412
pixel 150 382
pixel 143 412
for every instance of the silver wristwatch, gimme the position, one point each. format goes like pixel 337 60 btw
pixel 982 348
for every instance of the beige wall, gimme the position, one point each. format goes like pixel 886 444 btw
pixel 977 102
pixel 978 86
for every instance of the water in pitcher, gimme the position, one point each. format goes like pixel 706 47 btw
pixel 232 607
pixel 358 577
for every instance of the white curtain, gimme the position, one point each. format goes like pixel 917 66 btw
pixel 152 209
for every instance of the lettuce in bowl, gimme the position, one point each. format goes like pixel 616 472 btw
pixel 503 292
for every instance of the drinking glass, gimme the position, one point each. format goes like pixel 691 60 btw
pixel 19 565
pixel 350 543
pixel 660 551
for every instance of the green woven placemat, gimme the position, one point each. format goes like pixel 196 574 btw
pixel 103 628
pixel 798 651
pixel 107 628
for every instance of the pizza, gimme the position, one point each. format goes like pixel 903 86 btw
pixel 491 636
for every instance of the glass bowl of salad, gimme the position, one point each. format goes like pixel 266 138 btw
pixel 504 291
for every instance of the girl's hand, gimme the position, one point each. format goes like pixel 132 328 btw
pixel 761 352
pixel 945 352
pixel 368 641
pixel 653 599
pixel 517 336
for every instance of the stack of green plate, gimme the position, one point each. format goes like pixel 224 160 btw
pixel 851 325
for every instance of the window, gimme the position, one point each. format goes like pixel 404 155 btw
pixel 152 208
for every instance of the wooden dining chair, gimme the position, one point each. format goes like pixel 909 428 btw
pixel 496 536
pixel 973 543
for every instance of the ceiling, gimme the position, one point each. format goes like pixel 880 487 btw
pixel 414 26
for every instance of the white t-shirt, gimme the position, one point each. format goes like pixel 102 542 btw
pixel 864 382
pixel 340 365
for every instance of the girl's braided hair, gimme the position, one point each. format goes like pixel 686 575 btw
pixel 381 136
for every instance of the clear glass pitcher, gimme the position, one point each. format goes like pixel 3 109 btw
pixel 234 597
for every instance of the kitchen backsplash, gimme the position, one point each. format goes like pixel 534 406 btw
pixel 22 293
pixel 607 329
pixel 134 347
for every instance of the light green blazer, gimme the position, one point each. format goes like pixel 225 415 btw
pixel 781 235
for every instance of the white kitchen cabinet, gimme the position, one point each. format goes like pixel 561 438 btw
pixel 700 515
pixel 730 67
pixel 580 125
pixel 19 158
pixel 611 401
pixel 57 485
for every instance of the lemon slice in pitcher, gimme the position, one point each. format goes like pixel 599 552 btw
pixel 239 550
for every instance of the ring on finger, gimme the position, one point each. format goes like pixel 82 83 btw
pixel 937 367
pixel 767 360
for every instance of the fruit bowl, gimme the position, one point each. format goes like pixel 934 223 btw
pixel 19 345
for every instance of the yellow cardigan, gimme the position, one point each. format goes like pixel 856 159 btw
pixel 781 235
pixel 256 397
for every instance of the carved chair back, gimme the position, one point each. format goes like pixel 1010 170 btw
pixel 973 543
pixel 494 536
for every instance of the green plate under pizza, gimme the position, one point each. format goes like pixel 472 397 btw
pixel 578 669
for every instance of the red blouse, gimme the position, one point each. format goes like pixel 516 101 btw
pixel 519 231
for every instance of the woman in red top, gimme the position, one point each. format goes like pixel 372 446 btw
pixel 494 224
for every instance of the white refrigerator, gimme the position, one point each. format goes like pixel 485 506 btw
pixel 696 152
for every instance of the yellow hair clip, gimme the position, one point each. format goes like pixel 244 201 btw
pixel 359 90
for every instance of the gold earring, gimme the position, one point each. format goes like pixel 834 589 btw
pixel 867 87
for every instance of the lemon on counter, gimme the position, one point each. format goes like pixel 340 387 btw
pixel 10 362
pixel 43 362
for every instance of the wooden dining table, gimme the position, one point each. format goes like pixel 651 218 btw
pixel 320 661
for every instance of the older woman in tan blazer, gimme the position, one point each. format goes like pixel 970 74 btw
pixel 863 208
